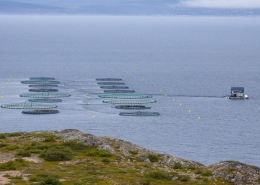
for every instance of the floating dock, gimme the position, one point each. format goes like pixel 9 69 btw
pixel 119 91
pixel 132 107
pixel 108 79
pixel 45 95
pixel 28 106
pixel 41 112
pixel 123 96
pixel 129 101
pixel 42 78
pixel 39 82
pixel 111 83
pixel 43 90
pixel 139 113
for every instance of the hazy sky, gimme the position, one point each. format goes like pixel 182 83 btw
pixel 221 3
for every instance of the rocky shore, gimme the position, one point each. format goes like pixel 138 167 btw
pixel 125 153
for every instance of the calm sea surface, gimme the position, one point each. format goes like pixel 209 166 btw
pixel 193 60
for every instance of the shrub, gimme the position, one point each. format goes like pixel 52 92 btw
pixel 231 170
pixel 184 178
pixel 145 182
pixel 159 175
pixel 19 160
pixel 105 160
pixel 56 154
pixel 46 179
pixel 24 153
pixel 192 168
pixel 133 152
pixel 105 154
pixel 3 145
pixel 49 138
pixel 74 145
pixel 8 166
pixel 153 158
pixel 207 173
pixel 2 136
pixel 177 165
pixel 100 153
pixel 14 134
pixel 78 183
pixel 12 147
pixel 198 172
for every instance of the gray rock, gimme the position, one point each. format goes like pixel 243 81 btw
pixel 171 160
pixel 174 178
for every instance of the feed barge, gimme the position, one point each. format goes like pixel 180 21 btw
pixel 119 91
pixel 41 112
pixel 139 113
pixel 114 87
pixel 45 95
pixel 111 83
pixel 43 90
pixel 237 93
pixel 124 96
pixel 129 101
pixel 28 106
pixel 108 79
pixel 132 107
pixel 39 82
pixel 42 78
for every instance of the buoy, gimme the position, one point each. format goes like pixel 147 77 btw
pixel 1 96
pixel 189 110
pixel 88 103
pixel 142 78
pixel 165 94
pixel 93 116
pixel 2 87
pixel 87 92
pixel 88 109
pixel 173 99
pixel 198 117
pixel 8 80
pixel 83 88
pixel 180 104
pixel 87 98
pixel 159 79
pixel 10 77
pixel 161 89
pixel 155 86
pixel 2 91
pixel 6 83
pixel 76 77
pixel 146 82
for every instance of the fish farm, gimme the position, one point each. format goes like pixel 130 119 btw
pixel 42 78
pixel 119 91
pixel 39 82
pixel 45 100
pixel 132 107
pixel 108 79
pixel 123 96
pixel 41 112
pixel 111 83
pixel 43 90
pixel 139 113
pixel 128 101
pixel 43 85
pixel 45 95
pixel 28 106
pixel 114 87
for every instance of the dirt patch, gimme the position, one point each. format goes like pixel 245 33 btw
pixel 4 157
pixel 34 158
pixel 5 180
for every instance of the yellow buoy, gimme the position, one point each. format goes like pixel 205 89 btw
pixel 79 84
pixel 161 89
pixel 93 116
pixel 10 77
pixel 76 77
pixel 88 103
pixel 165 94
pixel 2 87
pixel 180 104
pixel 83 88
pixel 87 98
pixel 189 110
pixel 88 109
pixel 87 92
pixel 6 83
pixel 173 99
pixel 2 91
pixel 142 78
pixel 198 117
pixel 1 96
pixel 155 86
pixel 146 82
pixel 8 80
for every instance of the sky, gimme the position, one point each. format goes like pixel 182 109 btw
pixel 251 4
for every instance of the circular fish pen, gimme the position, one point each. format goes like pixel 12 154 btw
pixel 43 90
pixel 114 87
pixel 41 112
pixel 45 95
pixel 111 83
pixel 132 107
pixel 119 91
pixel 124 96
pixel 139 113
pixel 42 78
pixel 39 82
pixel 43 85
pixel 28 106
pixel 108 79
pixel 45 100
pixel 128 101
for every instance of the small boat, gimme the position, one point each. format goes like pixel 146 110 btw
pixel 43 85
pixel 39 82
pixel 111 83
pixel 108 79
pixel 45 100
pixel 129 101
pixel 237 93
pixel 42 78
pixel 123 96
pixel 139 113
pixel 119 91
pixel 41 112
pixel 132 107
pixel 114 87
pixel 43 90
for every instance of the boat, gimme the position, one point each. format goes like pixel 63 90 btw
pixel 41 112
pixel 111 83
pixel 128 101
pixel 43 90
pixel 132 107
pixel 41 78
pixel 119 91
pixel 114 87
pixel 45 95
pixel 237 93
pixel 123 96
pixel 108 79
pixel 139 113
pixel 39 82
pixel 45 100
pixel 28 106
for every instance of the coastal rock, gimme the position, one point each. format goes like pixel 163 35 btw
pixel 236 172
pixel 170 160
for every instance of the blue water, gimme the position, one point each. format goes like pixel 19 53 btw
pixel 193 60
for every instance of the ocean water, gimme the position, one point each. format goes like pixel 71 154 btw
pixel 193 60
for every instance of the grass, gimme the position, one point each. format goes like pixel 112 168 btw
pixel 177 165
pixel 153 158
pixel 7 166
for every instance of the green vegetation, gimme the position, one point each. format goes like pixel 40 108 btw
pixel 177 165
pixel 46 179
pixel 105 160
pixel 74 145
pixel 99 153
pixel 24 153
pixel 207 173
pixel 2 136
pixel 159 175
pixel 153 158
pixel 57 154
pixel 15 134
pixel 12 147
pixel 133 152
pixel 7 166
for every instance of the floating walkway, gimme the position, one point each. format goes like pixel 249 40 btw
pixel 111 83
pixel 139 113
pixel 42 78
pixel 43 85
pixel 108 79
pixel 114 87
pixel 28 106
pixel 39 82
pixel 123 96
pixel 119 91
pixel 45 95
pixel 41 112
pixel 45 100
pixel 129 101
pixel 132 107
pixel 43 90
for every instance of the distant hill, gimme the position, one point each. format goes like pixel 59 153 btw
pixel 115 7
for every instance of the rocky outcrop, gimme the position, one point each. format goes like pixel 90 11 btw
pixel 236 172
